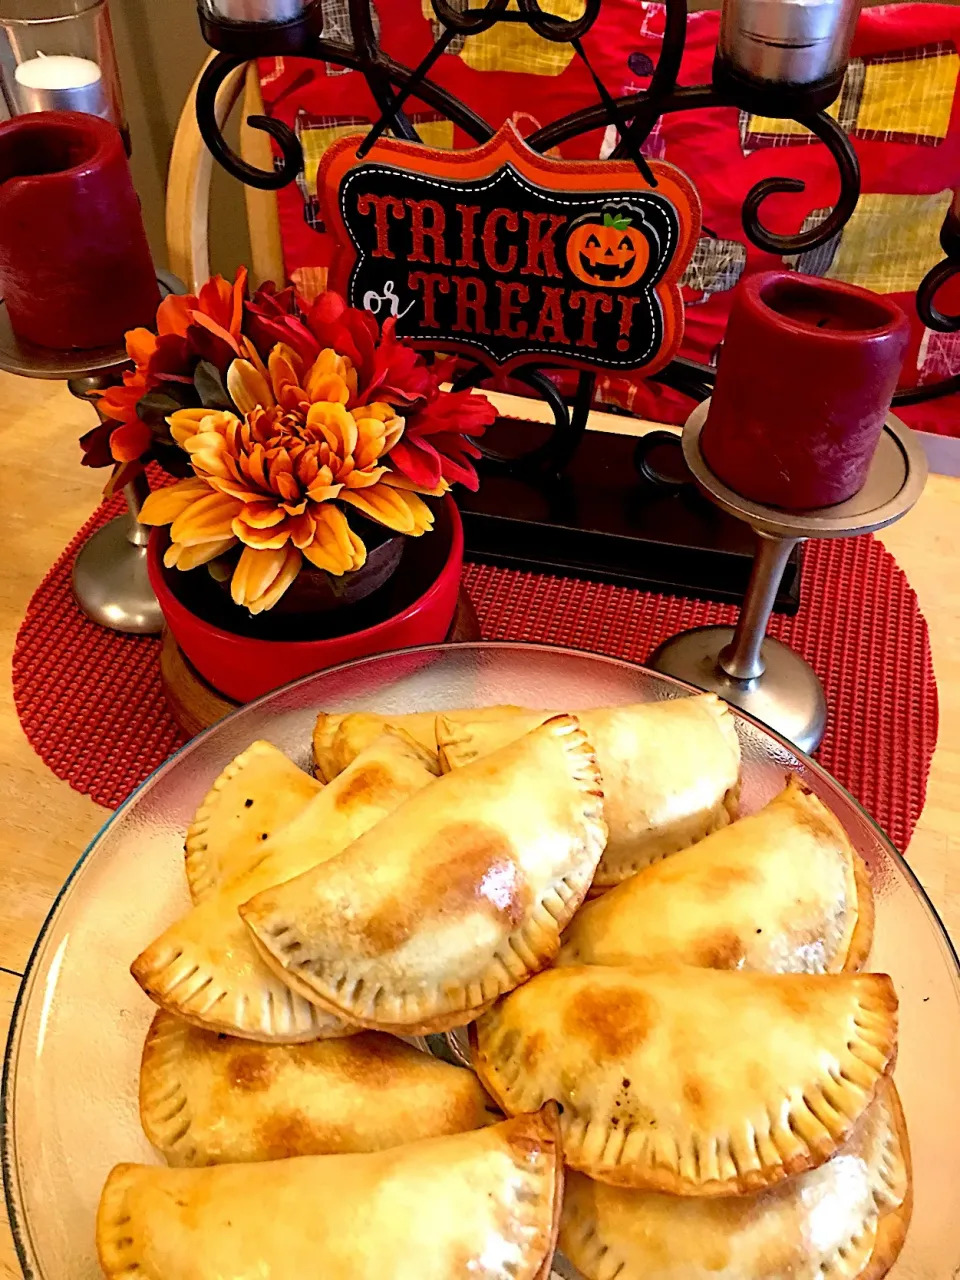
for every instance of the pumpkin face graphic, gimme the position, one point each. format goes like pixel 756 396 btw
pixel 611 253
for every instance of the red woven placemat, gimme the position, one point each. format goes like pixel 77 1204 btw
pixel 91 703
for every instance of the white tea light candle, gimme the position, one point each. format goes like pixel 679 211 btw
pixel 62 82
pixel 257 10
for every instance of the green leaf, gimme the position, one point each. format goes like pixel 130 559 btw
pixel 172 458
pixel 210 388
pixel 156 406
pixel 618 221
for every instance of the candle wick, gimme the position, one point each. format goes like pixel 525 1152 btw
pixel 821 324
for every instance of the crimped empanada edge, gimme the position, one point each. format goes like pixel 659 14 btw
pixel 427 758
pixel 169 977
pixel 548 1116
pixel 455 731
pixel 119 1252
pixel 300 987
pixel 643 1176
pixel 889 1227
pixel 164 1105
pixel 455 743
pixel 893 1224
pixel 523 953
pixel 324 731
pixel 727 721
pixel 860 940
pixel 616 867
pixel 428 1024
pixel 202 879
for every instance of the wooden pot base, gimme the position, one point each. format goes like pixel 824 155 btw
pixel 196 705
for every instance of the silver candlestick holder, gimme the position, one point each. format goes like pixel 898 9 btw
pixel 110 580
pixel 745 666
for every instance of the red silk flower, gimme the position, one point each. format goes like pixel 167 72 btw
pixel 271 317
pixel 435 444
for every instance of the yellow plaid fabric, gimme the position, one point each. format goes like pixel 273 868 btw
pixel 905 96
pixel 768 128
pixel 512 46
pixel 891 242
pixel 315 138
pixel 914 97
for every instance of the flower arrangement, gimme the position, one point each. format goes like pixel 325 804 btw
pixel 284 419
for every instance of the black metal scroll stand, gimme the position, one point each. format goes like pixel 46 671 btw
pixel 595 504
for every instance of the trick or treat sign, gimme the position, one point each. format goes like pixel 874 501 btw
pixel 509 256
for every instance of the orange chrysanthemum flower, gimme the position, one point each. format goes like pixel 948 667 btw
pixel 274 480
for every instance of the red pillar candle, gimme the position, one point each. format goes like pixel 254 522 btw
pixel 805 379
pixel 75 266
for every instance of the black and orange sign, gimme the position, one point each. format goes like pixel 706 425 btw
pixel 507 255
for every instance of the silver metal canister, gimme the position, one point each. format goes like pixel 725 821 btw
pixel 787 42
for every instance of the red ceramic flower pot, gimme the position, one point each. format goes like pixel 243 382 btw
pixel 419 611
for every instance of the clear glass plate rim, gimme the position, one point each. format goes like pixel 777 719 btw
pixel 20 1231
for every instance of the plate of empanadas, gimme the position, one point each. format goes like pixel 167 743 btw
pixel 487 962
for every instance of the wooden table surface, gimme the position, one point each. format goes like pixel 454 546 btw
pixel 44 498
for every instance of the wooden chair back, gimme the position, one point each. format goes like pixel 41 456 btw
pixel 188 188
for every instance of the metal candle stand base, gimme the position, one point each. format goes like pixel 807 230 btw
pixel 761 675
pixel 110 579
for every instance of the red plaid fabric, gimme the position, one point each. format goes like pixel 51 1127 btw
pixel 899 106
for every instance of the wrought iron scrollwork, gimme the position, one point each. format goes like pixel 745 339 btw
pixel 938 276
pixel 467 22
pixel 291 154
pixel 634 115
pixel 569 421
pixel 839 146
pixel 930 286
pixel 562 30
pixel 930 313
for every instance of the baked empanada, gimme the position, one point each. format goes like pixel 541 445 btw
pixel 257 792
pixel 483 1204
pixel 692 1081
pixel 206 969
pixel 780 892
pixel 670 772
pixel 844 1221
pixel 338 738
pixel 455 898
pixel 213 1099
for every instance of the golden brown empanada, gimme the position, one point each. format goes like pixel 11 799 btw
pixel 205 967
pixel 339 738
pixel 257 792
pixel 455 898
pixel 692 1081
pixel 212 1099
pixel 844 1221
pixel 483 1204
pixel 670 772
pixel 780 892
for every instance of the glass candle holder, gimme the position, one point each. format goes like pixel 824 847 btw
pixel 58 55
pixel 270 11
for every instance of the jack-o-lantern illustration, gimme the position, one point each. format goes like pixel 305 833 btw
pixel 612 253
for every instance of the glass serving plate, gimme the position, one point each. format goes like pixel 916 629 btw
pixel 69 1106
